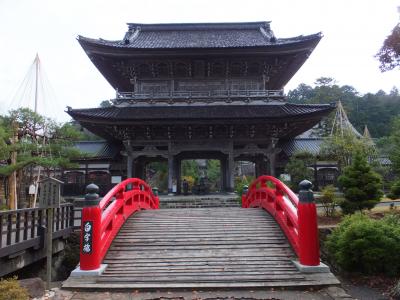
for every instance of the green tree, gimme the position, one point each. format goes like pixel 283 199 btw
pixel 328 200
pixel 105 103
pixel 374 110
pixel 361 185
pixel 214 173
pixel 342 148
pixel 298 169
pixel 393 146
pixel 29 139
pixel 190 168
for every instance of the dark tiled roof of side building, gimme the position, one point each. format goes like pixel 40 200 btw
pixel 311 145
pixel 97 149
pixel 199 35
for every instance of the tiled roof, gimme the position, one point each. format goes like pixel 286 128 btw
pixel 311 145
pixel 385 161
pixel 97 149
pixel 137 113
pixel 199 35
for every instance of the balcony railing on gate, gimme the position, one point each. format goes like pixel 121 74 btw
pixel 22 229
pixel 199 95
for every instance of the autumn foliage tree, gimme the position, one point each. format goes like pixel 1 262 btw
pixel 389 54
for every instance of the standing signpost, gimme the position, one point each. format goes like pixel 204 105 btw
pixel 49 198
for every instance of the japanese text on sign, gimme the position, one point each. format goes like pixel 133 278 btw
pixel 87 237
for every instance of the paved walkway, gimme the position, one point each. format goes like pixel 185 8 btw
pixel 332 293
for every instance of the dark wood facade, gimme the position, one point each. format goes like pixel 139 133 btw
pixel 187 91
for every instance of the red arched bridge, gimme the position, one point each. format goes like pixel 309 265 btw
pixel 128 242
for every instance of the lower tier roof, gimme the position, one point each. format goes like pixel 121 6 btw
pixel 188 112
pixel 218 122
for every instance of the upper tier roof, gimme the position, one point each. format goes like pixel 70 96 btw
pixel 199 35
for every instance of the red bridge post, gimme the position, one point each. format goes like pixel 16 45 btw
pixel 308 227
pixel 90 230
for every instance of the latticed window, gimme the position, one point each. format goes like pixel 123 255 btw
pixel 162 70
pixel 99 177
pixel 144 70
pixel 75 177
pixel 253 69
pixel 217 69
pixel 236 69
pixel 181 70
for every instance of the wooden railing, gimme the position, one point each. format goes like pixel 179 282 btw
pixel 102 218
pixel 22 229
pixel 297 216
pixel 199 95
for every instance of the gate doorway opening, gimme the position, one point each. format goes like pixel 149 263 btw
pixel 200 176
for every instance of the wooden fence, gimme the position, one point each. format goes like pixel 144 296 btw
pixel 24 229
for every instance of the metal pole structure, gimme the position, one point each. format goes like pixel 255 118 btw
pixel 49 246
pixel 37 61
pixel 39 170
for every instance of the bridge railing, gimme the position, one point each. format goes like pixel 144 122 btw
pixel 297 216
pixel 22 229
pixel 102 218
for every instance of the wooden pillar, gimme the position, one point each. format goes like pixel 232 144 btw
pixel 231 172
pixel 222 165
pixel 129 163
pixel 138 168
pixel 272 164
pixel 178 175
pixel 12 178
pixel 257 167
pixel 171 174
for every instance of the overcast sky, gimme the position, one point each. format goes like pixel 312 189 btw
pixel 353 32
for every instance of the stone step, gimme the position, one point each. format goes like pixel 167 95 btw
pixel 199 201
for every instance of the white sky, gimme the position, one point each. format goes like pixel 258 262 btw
pixel 353 32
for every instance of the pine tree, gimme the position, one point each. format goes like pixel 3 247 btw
pixel 361 185
pixel 28 140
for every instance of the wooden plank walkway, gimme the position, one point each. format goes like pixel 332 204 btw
pixel 203 247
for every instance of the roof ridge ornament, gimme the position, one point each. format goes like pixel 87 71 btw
pixel 131 34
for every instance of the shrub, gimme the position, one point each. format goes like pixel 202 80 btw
pixel 395 190
pixel 366 245
pixel 10 289
pixel 241 182
pixel 361 186
pixel 190 180
pixel 328 200
pixel 298 170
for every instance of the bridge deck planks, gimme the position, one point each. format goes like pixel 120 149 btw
pixel 203 247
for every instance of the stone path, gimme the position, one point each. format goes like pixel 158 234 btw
pixel 331 293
